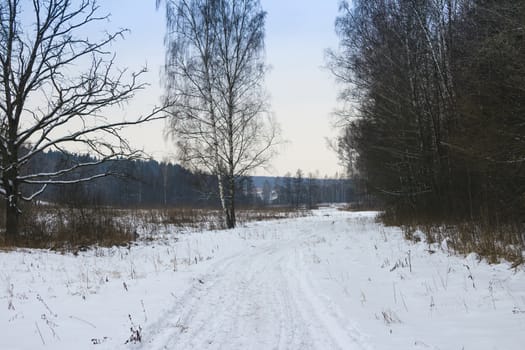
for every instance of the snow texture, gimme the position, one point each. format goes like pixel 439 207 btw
pixel 336 280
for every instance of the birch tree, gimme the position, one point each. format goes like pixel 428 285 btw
pixel 48 102
pixel 215 68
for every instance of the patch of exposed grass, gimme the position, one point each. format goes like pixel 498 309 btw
pixel 489 241
pixel 73 229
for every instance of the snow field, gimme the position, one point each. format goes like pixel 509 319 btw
pixel 335 280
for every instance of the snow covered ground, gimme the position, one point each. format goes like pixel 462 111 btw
pixel 335 280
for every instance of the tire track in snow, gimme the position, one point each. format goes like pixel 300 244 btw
pixel 173 321
pixel 259 299
pixel 342 337
pixel 248 314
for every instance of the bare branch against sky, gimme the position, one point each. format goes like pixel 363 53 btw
pixel 302 93
pixel 55 88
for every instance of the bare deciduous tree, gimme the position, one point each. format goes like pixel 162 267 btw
pixel 214 79
pixel 48 103
pixel 436 120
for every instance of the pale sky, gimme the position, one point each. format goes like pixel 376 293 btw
pixel 303 94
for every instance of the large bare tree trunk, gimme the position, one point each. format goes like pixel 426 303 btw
pixel 11 189
pixel 12 220
pixel 230 217
pixel 222 196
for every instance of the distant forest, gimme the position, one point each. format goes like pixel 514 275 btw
pixel 149 183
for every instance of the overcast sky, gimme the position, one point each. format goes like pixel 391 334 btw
pixel 303 94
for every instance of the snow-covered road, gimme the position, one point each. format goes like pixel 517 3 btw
pixel 262 298
pixel 335 280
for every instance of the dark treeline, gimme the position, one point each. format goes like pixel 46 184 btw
pixel 149 183
pixel 437 89
pixel 133 183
